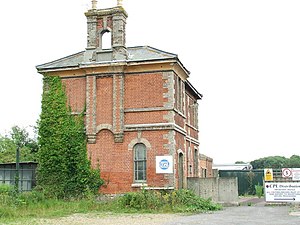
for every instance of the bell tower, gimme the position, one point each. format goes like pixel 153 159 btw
pixel 99 23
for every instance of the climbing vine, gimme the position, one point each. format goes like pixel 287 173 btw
pixel 64 169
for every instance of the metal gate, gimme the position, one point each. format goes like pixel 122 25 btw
pixel 247 179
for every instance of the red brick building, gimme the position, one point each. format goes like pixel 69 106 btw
pixel 141 110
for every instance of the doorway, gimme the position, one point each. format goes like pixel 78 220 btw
pixel 180 171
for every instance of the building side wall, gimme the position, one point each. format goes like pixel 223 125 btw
pixel 116 163
pixel 206 166
pixel 76 93
pixel 104 100
pixel 144 90
pixel 125 109
pixel 146 117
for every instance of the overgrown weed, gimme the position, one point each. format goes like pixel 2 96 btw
pixel 34 204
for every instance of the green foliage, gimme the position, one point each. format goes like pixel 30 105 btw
pixel 35 204
pixel 64 169
pixel 250 180
pixel 239 162
pixel 6 195
pixel 293 162
pixel 276 162
pixel 6 189
pixel 259 190
pixel 17 137
pixel 174 201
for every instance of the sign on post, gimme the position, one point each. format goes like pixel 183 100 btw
pixel 268 174
pixel 286 172
pixel 296 174
pixel 164 164
pixel 293 173
pixel 282 192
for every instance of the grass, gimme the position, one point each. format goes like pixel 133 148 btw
pixel 259 190
pixel 34 205
pixel 48 208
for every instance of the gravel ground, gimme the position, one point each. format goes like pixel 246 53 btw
pixel 106 219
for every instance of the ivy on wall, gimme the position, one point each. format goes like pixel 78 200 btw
pixel 64 169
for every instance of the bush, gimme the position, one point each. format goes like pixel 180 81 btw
pixel 259 190
pixel 6 194
pixel 6 189
pixel 175 201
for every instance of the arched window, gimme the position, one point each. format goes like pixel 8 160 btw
pixel 105 40
pixel 140 162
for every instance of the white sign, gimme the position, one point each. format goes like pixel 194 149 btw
pixel 286 172
pixel 296 174
pixel 282 192
pixel 164 164
pixel 293 173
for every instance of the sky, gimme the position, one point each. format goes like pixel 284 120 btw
pixel 243 56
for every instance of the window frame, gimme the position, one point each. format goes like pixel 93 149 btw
pixel 137 161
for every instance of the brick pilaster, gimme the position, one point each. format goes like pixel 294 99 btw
pixel 118 107
pixel 91 99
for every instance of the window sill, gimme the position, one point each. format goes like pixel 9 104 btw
pixel 159 188
pixel 139 185
pixel 145 186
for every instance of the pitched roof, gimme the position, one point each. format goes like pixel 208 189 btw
pixel 135 54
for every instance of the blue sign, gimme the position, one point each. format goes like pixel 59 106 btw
pixel 164 164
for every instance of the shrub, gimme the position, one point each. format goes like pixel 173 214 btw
pixel 6 189
pixel 259 190
pixel 6 194
pixel 175 201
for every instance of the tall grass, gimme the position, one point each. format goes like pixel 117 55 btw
pixel 174 201
pixel 34 204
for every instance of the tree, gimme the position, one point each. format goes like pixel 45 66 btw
pixel 276 162
pixel 64 169
pixel 240 162
pixel 294 162
pixel 17 137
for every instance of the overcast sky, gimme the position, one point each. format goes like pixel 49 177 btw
pixel 243 57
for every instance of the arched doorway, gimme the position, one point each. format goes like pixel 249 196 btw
pixel 180 171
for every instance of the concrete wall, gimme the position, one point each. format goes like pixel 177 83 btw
pixel 228 189
pixel 222 190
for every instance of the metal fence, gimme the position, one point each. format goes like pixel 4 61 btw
pixel 27 175
pixel 247 179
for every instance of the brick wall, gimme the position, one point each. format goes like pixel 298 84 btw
pixel 139 100
pixel 145 117
pixel 76 92
pixel 105 100
pixel 115 160
pixel 206 166
pixel 144 90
